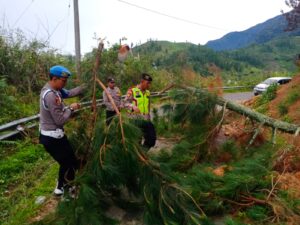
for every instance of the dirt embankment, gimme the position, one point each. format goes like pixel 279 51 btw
pixel 286 106
pixel 284 97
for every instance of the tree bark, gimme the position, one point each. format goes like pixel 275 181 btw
pixel 260 118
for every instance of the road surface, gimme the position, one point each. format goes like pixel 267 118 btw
pixel 238 97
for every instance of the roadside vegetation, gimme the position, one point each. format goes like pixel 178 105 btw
pixel 214 169
pixel 210 175
pixel 281 102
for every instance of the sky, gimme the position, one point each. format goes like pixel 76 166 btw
pixel 197 21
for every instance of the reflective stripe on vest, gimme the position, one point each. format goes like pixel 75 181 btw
pixel 141 100
pixel 44 95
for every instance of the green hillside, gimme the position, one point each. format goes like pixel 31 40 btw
pixel 277 55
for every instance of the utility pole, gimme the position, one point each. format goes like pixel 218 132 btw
pixel 77 38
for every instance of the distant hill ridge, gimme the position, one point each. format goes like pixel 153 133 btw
pixel 258 34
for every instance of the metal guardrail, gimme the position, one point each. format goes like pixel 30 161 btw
pixel 232 87
pixel 16 123
pixel 17 131
pixel 18 126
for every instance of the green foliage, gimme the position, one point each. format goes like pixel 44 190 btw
pixel 23 72
pixel 190 106
pixel 291 201
pixel 262 108
pixel 272 29
pixel 25 156
pixel 24 63
pixel 254 63
pixel 231 148
pixel 118 165
pixel 287 119
pixel 6 102
pixel 258 213
pixel 292 96
pixel 268 95
pixel 282 108
pixel 172 187
pixel 126 74
pixel 261 105
pixel 230 221
pixel 18 207
pixel 22 166
pixel 85 210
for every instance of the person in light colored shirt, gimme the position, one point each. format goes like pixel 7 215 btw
pixel 53 115
pixel 116 96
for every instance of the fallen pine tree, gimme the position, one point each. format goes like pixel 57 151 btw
pixel 177 186
pixel 253 115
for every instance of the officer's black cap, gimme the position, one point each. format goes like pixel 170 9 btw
pixel 146 76
pixel 111 80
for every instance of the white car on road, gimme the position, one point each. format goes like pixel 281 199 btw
pixel 262 87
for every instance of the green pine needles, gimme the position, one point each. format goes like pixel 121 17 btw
pixel 173 187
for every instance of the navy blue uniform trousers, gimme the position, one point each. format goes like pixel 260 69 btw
pixel 148 131
pixel 62 152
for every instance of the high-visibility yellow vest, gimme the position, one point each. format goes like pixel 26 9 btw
pixel 141 100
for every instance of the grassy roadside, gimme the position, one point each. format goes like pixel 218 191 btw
pixel 26 208
pixel 25 175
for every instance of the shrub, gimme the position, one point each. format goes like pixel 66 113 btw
pixel 267 96
pixel 270 94
pixel 292 97
pixel 287 119
pixel 282 108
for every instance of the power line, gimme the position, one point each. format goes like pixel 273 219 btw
pixel 52 32
pixel 22 14
pixel 172 17
pixel 67 27
pixel 55 28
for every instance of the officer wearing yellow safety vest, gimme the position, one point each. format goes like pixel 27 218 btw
pixel 138 102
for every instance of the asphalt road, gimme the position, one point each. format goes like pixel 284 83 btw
pixel 238 97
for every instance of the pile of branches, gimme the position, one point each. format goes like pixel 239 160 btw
pixel 176 186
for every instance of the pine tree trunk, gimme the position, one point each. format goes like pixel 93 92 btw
pixel 260 118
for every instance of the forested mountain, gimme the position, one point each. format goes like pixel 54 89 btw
pixel 258 34
pixel 276 55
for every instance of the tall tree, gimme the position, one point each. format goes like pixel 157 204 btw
pixel 293 17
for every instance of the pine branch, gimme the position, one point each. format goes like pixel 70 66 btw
pixel 111 100
pixel 95 72
pixel 256 133
pixel 277 181
pixel 94 102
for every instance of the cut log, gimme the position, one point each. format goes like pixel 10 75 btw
pixel 260 118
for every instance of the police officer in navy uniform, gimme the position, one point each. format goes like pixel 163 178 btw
pixel 53 115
